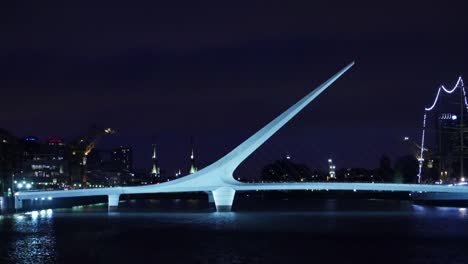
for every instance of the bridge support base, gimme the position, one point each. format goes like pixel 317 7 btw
pixel 18 204
pixel 210 198
pixel 223 198
pixel 113 202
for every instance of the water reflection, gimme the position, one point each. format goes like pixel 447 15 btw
pixel 33 239
pixel 154 230
pixel 440 211
pixel 223 220
pixel 462 212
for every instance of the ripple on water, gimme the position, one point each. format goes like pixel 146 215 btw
pixel 419 233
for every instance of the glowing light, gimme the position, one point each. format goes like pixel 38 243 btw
pixel 20 185
pixel 462 212
pixel 28 186
pixel 435 101
pixel 49 198
pixel 454 117
pixel 34 214
pixel 442 88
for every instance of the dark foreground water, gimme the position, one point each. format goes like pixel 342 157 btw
pixel 279 231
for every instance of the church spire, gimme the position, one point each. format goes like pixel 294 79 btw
pixel 193 167
pixel 155 171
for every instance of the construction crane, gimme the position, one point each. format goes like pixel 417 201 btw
pixel 80 149
pixel 415 148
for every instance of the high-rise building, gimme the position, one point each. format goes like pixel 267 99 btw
pixel 100 168
pixel 110 167
pixel 30 146
pixel 123 159
pixel 44 165
pixel 447 157
pixel 451 149
pixel 56 148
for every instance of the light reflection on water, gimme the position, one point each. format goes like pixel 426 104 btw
pixel 463 212
pixel 32 237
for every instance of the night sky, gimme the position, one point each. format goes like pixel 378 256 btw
pixel 163 72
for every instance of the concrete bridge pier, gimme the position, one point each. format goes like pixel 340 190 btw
pixel 113 202
pixel 18 203
pixel 2 204
pixel 223 198
pixel 210 198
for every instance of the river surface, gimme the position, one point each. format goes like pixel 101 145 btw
pixel 276 231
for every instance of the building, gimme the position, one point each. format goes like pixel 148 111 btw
pixel 101 169
pixel 30 147
pixel 10 161
pixel 451 148
pixel 112 167
pixel 57 148
pixel 122 158
pixel 43 165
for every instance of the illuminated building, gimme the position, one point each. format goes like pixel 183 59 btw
pixel 450 137
pixel 44 165
pixel 123 159
pixel 449 148
pixel 56 148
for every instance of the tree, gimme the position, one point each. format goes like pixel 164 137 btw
pixel 285 171
pixel 406 168
pixel 385 172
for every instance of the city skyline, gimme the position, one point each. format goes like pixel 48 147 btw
pixel 255 131
pixel 163 78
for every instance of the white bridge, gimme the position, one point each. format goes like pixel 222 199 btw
pixel 218 181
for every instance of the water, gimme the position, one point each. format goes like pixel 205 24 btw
pixel 277 231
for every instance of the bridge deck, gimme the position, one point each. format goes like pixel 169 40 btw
pixel 160 188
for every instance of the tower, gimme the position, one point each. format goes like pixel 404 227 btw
pixel 155 171
pixel 331 168
pixel 193 167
